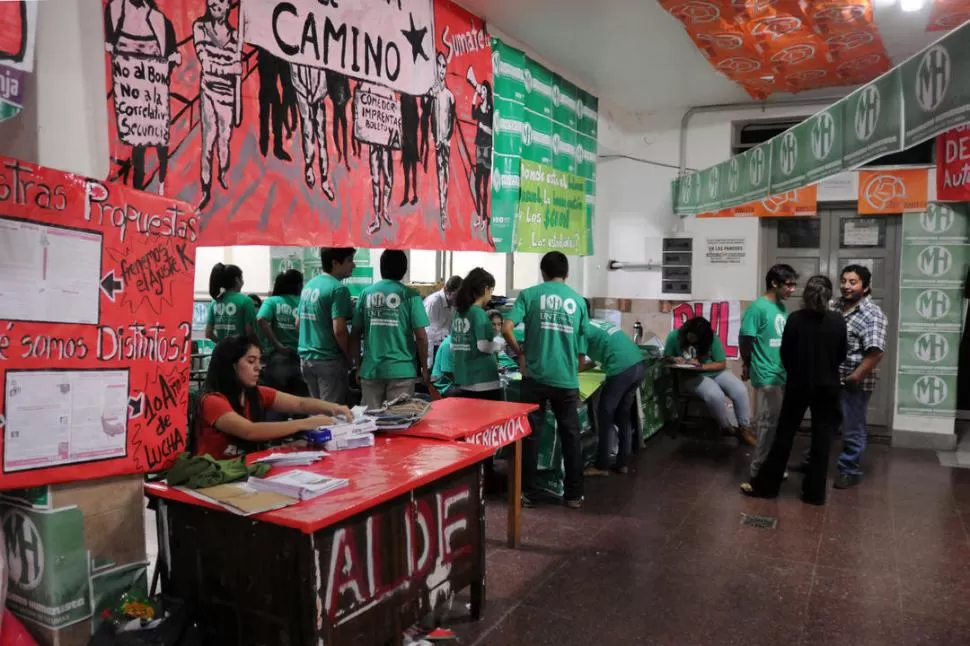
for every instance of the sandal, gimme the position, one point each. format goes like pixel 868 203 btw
pixel 748 489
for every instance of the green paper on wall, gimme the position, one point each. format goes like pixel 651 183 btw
pixel 552 211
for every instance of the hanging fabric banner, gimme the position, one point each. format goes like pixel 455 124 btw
pixel 887 192
pixel 543 119
pixel 871 116
pixel 18 29
pixel 799 202
pixel 953 165
pixel 307 123
pixel 95 334
pixel 936 90
pixel 948 14
pixel 785 45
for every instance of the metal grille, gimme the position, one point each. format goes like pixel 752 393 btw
pixel 762 522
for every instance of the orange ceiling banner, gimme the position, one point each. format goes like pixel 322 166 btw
pixel 883 192
pixel 770 46
pixel 948 14
pixel 800 202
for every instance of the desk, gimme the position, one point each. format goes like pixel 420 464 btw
pixel 488 423
pixel 355 566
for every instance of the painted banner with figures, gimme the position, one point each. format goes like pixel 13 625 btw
pixel 307 123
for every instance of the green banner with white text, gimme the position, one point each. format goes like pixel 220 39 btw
pixel 543 119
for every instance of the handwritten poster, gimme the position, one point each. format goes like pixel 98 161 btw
pixel 307 122
pixel 724 316
pixel 96 284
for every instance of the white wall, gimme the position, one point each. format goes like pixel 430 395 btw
pixel 633 202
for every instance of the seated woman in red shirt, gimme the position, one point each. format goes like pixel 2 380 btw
pixel 233 407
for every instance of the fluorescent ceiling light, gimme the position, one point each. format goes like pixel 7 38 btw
pixel 911 5
pixel 885 3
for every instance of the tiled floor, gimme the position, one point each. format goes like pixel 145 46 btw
pixel 660 557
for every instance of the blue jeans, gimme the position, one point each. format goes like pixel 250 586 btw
pixel 713 389
pixel 615 405
pixel 855 403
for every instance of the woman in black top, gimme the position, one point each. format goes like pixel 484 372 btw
pixel 812 348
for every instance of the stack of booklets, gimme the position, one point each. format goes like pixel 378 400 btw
pixel 292 459
pixel 298 484
pixel 352 434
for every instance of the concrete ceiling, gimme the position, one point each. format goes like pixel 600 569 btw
pixel 632 53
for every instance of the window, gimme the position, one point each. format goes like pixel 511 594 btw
pixel 496 264
pixel 423 266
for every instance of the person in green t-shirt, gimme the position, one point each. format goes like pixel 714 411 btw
pixel 620 358
pixel 443 372
pixel 230 313
pixel 390 321
pixel 277 319
pixel 760 344
pixel 474 344
pixel 505 362
pixel 695 347
pixel 324 312
pixel 555 319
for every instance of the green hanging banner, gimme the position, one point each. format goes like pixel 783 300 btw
pixel 871 116
pixel 543 119
pixel 936 87
pixel 552 208
pixel 925 96
pixel 307 261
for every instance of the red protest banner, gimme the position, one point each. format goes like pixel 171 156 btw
pixel 953 165
pixel 95 328
pixel 724 316
pixel 308 123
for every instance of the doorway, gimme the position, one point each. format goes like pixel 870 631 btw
pixel 826 243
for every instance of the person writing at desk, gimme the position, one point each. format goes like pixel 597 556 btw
pixel 233 407
pixel 230 312
pixel 695 347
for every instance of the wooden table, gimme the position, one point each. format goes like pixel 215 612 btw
pixel 486 423
pixel 354 566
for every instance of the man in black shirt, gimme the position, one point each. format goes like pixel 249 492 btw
pixel 813 347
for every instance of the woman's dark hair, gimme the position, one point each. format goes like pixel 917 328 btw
pixel 257 300
pixel 222 279
pixel 701 328
pixel 221 377
pixel 472 287
pixel 817 294
pixel 494 314
pixel 288 283
pixel 488 94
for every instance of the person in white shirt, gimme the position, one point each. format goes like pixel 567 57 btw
pixel 439 308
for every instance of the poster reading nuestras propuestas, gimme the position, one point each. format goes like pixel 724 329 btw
pixel 307 123
pixel 95 329
pixel 934 267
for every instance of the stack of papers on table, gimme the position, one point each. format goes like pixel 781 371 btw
pixel 292 459
pixel 352 434
pixel 241 499
pixel 298 484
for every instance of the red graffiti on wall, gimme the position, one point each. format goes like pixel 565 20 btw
pixel 717 312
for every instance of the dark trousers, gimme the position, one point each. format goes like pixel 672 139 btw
pixel 138 165
pixel 496 395
pixel 564 403
pixel 826 408
pixel 616 402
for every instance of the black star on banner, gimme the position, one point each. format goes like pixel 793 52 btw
pixel 416 38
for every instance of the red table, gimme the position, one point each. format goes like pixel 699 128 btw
pixel 353 566
pixel 486 423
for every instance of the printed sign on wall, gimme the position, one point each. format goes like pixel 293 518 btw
pixel 724 316
pixel 893 191
pixel 934 267
pixel 307 123
pixel 953 165
pixel 95 334
pixel 18 30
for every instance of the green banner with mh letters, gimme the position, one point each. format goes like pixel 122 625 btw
pixel 934 266
pixel 539 118
pixel 925 96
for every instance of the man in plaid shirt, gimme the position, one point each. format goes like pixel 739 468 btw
pixel 866 325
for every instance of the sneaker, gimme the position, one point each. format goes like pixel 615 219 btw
pixel 593 472
pixel 846 481
pixel 576 503
pixel 527 502
pixel 622 470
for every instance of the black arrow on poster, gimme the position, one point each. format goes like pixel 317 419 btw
pixel 111 285
pixel 136 405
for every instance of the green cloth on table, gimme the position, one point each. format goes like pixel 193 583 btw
pixel 589 382
pixel 199 472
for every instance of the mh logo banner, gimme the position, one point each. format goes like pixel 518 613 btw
pixel 867 112
pixel 933 78
pixel 930 390
pixel 823 135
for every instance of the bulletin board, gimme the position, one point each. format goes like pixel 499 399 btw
pixel 96 284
